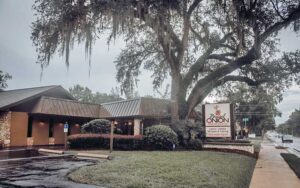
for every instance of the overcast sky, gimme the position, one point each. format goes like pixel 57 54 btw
pixel 18 56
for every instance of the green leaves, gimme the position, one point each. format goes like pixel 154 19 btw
pixel 4 77
pixel 160 137
pixel 84 94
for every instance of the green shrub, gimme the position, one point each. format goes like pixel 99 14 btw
pixel 98 126
pixel 160 137
pixel 195 144
pixel 123 142
pixel 187 132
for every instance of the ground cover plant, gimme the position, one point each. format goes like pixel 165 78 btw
pixel 170 169
pixel 293 161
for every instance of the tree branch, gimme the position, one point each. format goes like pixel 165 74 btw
pixel 252 55
pixel 295 15
pixel 222 57
pixel 245 79
pixel 193 7
pixel 277 11
pixel 198 65
pixel 203 91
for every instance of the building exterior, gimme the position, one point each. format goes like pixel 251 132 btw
pixel 35 116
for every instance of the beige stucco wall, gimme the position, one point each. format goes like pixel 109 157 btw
pixel 136 127
pixel 75 129
pixel 58 133
pixel 5 118
pixel 40 132
pixel 18 129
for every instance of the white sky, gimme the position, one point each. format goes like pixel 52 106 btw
pixel 18 56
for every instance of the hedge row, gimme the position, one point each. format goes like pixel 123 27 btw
pixel 102 141
pixel 157 137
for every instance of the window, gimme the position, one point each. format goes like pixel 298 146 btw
pixel 29 129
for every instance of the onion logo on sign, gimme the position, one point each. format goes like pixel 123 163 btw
pixel 217 120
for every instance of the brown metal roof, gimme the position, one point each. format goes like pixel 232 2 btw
pixel 64 107
pixel 15 97
pixel 143 106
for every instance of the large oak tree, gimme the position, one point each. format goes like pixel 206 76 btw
pixel 201 44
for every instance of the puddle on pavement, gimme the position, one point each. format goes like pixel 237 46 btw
pixel 49 172
pixel 21 153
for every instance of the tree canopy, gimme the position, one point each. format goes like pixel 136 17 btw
pixel 4 77
pixel 292 125
pixel 84 94
pixel 257 104
pixel 201 44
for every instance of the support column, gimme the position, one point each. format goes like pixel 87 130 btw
pixel 136 128
pixel 5 121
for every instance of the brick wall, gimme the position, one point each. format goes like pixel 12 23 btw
pixel 5 118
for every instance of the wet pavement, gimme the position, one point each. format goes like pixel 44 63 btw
pixel 43 173
pixel 18 153
pixel 271 170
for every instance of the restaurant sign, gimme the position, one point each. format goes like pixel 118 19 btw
pixel 217 120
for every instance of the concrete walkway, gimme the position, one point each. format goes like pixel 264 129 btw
pixel 271 170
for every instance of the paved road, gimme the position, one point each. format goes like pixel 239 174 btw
pixel 294 146
pixel 41 173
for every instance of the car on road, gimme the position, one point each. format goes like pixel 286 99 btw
pixel 287 139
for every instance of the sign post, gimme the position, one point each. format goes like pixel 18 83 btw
pixel 245 120
pixel 111 143
pixel 66 129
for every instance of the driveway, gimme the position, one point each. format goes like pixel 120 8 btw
pixel 46 172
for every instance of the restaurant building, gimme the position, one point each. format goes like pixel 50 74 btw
pixel 36 116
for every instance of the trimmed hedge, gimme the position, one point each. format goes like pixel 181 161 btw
pixel 102 141
pixel 293 161
pixel 97 126
pixel 160 137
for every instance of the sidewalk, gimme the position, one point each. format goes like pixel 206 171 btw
pixel 271 170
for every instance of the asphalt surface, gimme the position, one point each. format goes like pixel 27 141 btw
pixel 41 173
pixel 295 146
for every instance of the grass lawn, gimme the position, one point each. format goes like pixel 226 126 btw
pixel 169 169
pixel 293 161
